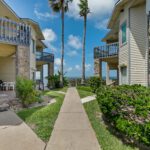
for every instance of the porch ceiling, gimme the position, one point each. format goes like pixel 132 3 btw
pixel 7 50
pixel 40 63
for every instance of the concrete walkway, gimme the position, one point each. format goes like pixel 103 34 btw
pixel 16 135
pixel 72 130
pixel 88 99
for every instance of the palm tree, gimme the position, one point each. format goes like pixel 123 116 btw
pixel 84 11
pixel 62 7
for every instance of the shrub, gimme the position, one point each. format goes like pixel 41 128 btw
pixel 54 81
pixel 25 91
pixel 127 108
pixel 85 88
pixel 94 83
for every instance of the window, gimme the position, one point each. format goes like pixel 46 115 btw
pixel 124 32
pixel 33 76
pixel 123 75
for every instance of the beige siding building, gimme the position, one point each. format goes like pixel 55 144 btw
pixel 129 29
pixel 21 47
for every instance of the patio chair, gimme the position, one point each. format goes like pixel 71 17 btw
pixel 1 85
pixel 5 86
pixel 11 86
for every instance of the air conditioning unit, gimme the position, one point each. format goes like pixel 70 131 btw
pixel 147 7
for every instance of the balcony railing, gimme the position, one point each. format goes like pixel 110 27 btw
pixel 109 50
pixel 43 56
pixel 14 33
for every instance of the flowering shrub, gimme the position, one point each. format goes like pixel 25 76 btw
pixel 127 108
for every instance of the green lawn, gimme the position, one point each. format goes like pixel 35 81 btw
pixel 84 91
pixel 64 89
pixel 105 138
pixel 42 119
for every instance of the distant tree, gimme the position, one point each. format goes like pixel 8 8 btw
pixel 62 7
pixel 84 11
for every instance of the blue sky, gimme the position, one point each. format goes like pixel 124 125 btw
pixel 51 26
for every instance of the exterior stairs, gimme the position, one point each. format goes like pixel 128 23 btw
pixel 4 102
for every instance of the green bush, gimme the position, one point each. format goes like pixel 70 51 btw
pixel 85 88
pixel 25 91
pixel 127 108
pixel 94 83
pixel 54 81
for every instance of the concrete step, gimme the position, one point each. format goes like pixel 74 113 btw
pixel 4 107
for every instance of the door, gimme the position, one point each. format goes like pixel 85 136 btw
pixel 123 75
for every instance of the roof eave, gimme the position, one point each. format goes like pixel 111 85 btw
pixel 115 10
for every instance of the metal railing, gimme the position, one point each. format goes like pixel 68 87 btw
pixel 108 50
pixel 43 56
pixel 14 33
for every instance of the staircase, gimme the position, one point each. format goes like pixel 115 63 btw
pixel 4 102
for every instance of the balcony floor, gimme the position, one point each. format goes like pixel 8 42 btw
pixel 112 59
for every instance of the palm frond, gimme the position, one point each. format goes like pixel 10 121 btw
pixel 57 5
pixel 84 8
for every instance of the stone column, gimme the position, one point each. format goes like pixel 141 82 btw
pixel 23 62
pixel 98 67
pixel 50 69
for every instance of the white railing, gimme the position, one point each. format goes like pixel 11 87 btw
pixel 14 33
pixel 108 50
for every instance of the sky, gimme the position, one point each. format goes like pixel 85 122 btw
pixel 50 24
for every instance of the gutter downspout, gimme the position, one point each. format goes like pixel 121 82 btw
pixel 148 45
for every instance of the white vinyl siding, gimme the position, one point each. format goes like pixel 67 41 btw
pixel 138 44
pixel 123 48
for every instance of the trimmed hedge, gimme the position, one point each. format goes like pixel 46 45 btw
pixel 127 108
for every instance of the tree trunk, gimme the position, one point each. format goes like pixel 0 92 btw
pixel 62 51
pixel 83 52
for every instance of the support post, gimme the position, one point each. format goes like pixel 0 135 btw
pixel 51 69
pixel 107 74
pixel 98 67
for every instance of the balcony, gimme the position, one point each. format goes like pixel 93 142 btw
pixel 106 51
pixel 44 57
pixel 14 33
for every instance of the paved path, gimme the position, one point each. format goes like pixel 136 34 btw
pixel 88 99
pixel 72 130
pixel 16 135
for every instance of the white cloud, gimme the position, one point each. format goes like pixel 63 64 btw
pixel 74 42
pixel 72 53
pixel 50 37
pixel 69 69
pixel 78 67
pixel 100 11
pixel 102 24
pixel 58 62
pixel 88 67
pixel 98 8
pixel 43 15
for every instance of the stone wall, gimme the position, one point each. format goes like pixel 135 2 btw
pixel 98 67
pixel 51 69
pixel 23 61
